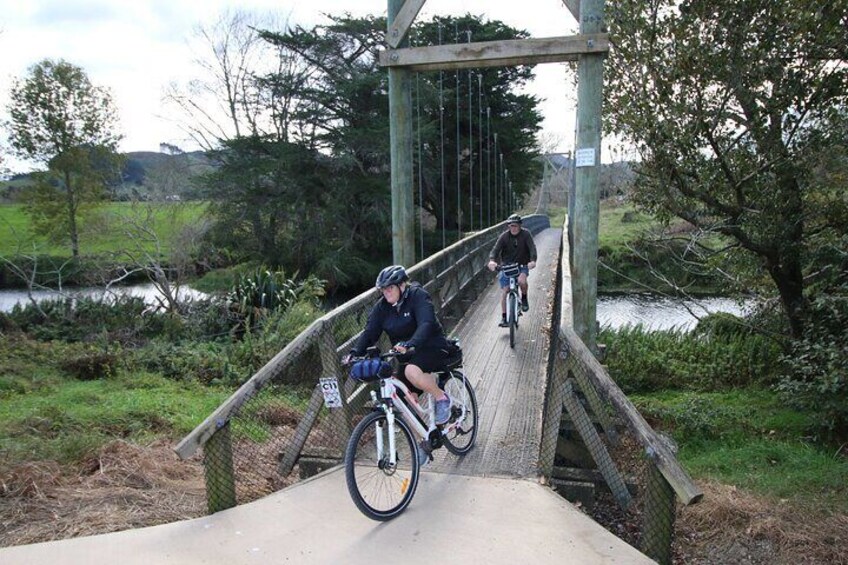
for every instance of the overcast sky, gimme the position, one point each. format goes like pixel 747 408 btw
pixel 137 48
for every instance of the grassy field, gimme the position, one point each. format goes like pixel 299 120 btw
pixel 46 415
pixel 107 230
pixel 619 224
pixel 749 438
pixel 612 229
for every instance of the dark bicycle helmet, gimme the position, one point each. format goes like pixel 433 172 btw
pixel 394 274
pixel 514 219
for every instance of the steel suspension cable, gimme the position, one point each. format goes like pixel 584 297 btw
pixel 442 144
pixel 420 169
pixel 458 164
pixel 470 150
pixel 480 140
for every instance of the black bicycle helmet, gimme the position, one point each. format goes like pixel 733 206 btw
pixel 394 274
pixel 514 219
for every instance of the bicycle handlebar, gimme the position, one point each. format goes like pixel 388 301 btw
pixel 390 354
pixel 501 266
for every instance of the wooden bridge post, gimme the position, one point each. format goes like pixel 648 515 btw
pixel 552 415
pixel 218 470
pixel 400 143
pixel 340 417
pixel 584 270
pixel 658 512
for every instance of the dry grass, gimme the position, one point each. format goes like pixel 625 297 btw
pixel 733 526
pixel 130 486
pixel 125 486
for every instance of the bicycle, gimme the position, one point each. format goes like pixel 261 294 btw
pixel 381 459
pixel 513 298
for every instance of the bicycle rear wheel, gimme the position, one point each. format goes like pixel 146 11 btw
pixel 381 490
pixel 461 438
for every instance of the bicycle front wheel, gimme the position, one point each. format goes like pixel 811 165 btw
pixel 462 427
pixel 512 312
pixel 381 488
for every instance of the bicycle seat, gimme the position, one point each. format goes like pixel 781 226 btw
pixel 453 354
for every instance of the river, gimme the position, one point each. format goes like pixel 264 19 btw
pixel 8 298
pixel 661 313
pixel 652 311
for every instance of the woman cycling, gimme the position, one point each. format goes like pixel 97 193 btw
pixel 406 314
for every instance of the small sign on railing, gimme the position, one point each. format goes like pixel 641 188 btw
pixel 332 395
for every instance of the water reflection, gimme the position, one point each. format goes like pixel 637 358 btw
pixel 661 313
pixel 148 292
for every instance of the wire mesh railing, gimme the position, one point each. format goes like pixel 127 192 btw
pixel 594 439
pixel 292 419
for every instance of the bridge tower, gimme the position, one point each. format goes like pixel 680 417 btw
pixel 588 49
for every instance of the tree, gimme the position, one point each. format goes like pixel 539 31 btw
pixel 58 118
pixel 723 103
pixel 349 94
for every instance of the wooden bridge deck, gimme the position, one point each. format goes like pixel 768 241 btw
pixel 510 383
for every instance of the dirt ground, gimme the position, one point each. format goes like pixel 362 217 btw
pixel 129 486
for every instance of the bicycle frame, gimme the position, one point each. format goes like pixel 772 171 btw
pixel 405 404
pixel 515 290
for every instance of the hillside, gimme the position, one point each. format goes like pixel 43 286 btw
pixel 147 175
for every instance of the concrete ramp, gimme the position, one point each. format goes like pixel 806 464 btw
pixel 452 519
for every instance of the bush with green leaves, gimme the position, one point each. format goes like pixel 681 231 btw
pixel 92 364
pixel 124 318
pixel 233 360
pixel 256 294
pixel 817 375
pixel 641 361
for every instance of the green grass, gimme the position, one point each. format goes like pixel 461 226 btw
pixel 46 415
pixel 613 232
pixel 750 439
pixel 104 232
pixel 70 421
pixel 557 215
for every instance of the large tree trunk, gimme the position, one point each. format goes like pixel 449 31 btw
pixel 787 276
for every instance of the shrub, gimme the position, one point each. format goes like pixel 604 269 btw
pixel 644 361
pixel 91 365
pixel 256 294
pixel 817 375
pixel 81 319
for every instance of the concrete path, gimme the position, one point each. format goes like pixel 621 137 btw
pixel 453 519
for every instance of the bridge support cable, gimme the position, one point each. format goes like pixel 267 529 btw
pixel 420 167
pixel 470 149
pixel 480 142
pixel 457 154
pixel 442 143
pixel 489 195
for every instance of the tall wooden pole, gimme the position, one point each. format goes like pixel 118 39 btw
pixel 401 143
pixel 584 269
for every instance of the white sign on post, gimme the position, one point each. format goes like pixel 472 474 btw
pixel 332 395
pixel 585 157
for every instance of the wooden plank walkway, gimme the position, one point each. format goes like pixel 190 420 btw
pixel 510 383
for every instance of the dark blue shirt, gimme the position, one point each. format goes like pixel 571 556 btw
pixel 412 320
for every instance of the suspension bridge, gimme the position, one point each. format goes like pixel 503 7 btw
pixel 276 488
pixel 551 419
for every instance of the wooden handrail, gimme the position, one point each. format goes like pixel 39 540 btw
pixel 655 448
pixel 439 265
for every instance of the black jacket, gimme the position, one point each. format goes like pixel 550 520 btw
pixel 412 320
pixel 514 249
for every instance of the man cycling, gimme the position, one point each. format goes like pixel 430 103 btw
pixel 514 246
